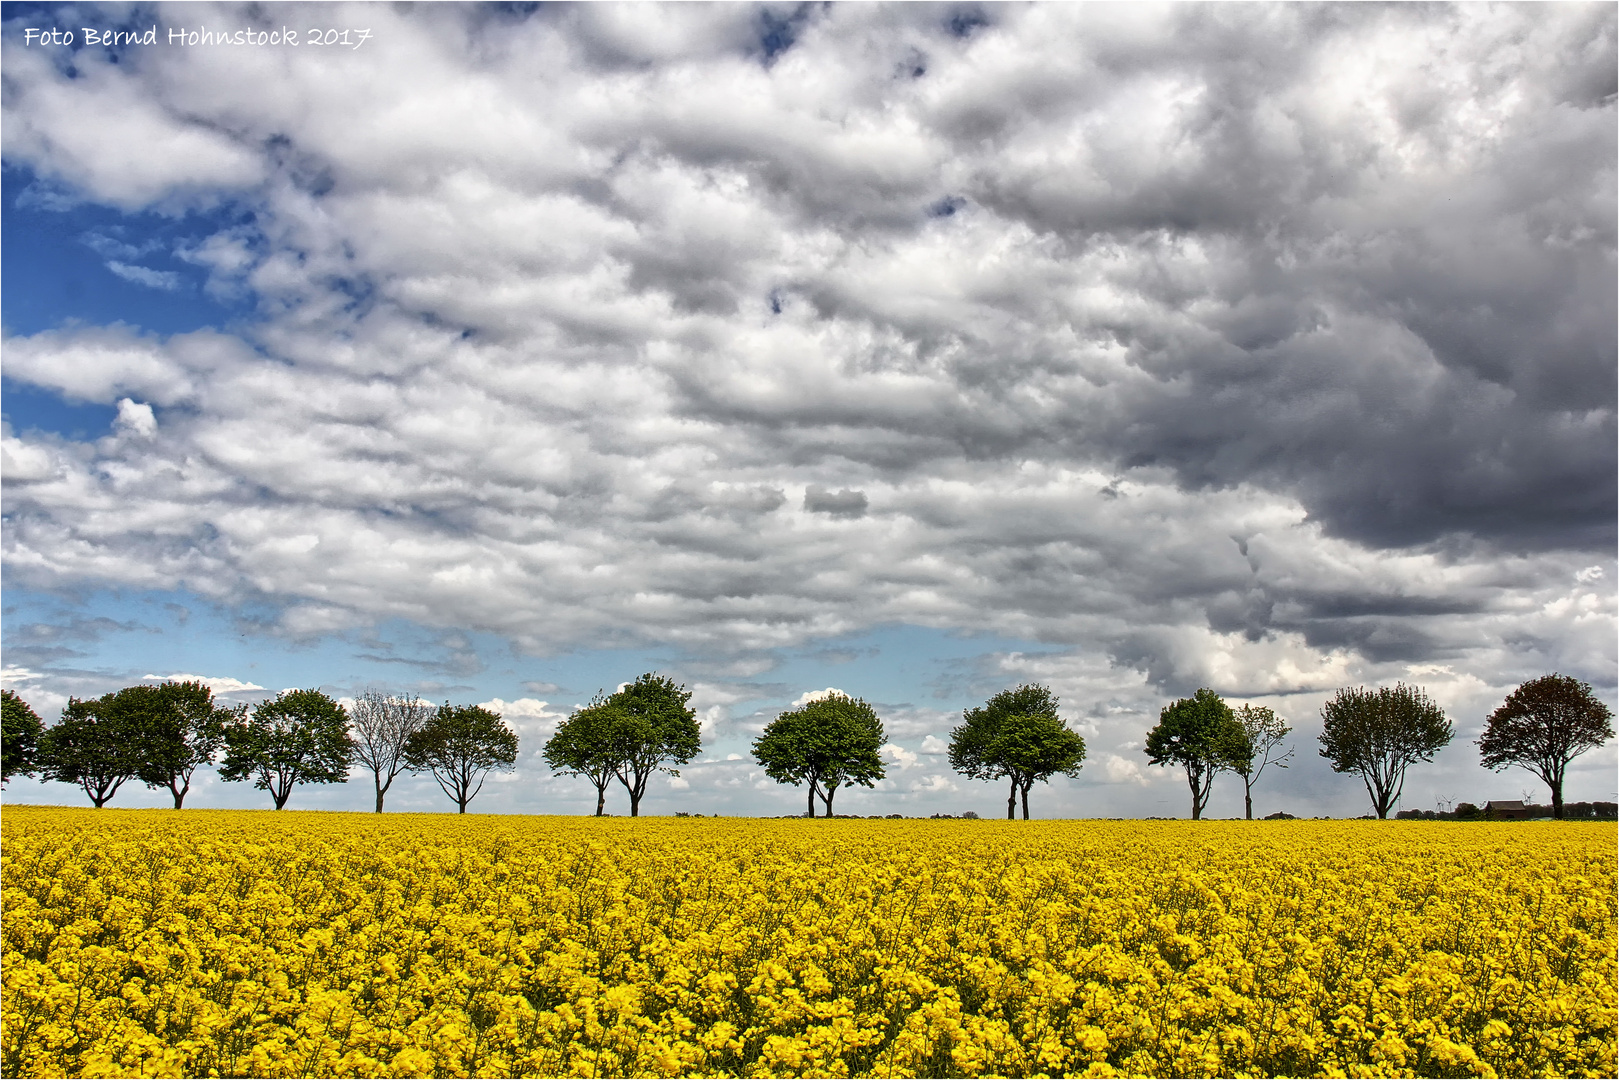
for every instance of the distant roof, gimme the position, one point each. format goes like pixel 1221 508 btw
pixel 1504 804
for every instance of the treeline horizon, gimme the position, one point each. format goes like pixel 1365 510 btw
pixel 1574 811
pixel 161 734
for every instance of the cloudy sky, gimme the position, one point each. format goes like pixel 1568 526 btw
pixel 917 351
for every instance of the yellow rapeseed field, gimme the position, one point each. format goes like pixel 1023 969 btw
pixel 230 943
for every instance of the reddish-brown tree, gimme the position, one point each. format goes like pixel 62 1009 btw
pixel 1545 724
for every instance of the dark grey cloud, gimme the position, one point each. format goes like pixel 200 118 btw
pixel 75 628
pixel 1400 321
pixel 58 644
pixel 843 503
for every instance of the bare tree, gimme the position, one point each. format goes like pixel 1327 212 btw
pixel 1262 735
pixel 381 724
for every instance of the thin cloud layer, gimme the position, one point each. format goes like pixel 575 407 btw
pixel 1268 348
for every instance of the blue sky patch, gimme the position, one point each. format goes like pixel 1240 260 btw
pixel 67 262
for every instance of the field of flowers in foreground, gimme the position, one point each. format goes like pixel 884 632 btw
pixel 229 943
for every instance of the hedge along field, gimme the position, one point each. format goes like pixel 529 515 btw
pixel 219 943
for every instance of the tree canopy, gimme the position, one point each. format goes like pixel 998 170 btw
pixel 20 731
pixel 826 743
pixel 296 737
pixel 380 725
pixel 181 727
pixel 1545 724
pixel 1379 734
pixel 96 744
pixel 460 745
pixel 1017 736
pixel 583 746
pixel 1202 735
pixel 655 732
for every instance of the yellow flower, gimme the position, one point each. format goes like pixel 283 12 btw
pixel 241 943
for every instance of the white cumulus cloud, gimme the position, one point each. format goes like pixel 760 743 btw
pixel 135 418
pixel 814 695
pixel 1121 770
pixel 898 755
pixel 219 684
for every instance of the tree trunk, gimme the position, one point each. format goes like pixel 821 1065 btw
pixel 1248 797
pixel 103 791
pixel 380 790
pixel 1197 795
pixel 1380 802
pixel 601 799
pixel 1026 800
pixel 635 803
pixel 280 797
pixel 1557 799
pixel 812 799
pixel 1011 801
pixel 827 798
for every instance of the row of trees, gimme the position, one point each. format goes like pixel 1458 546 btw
pixel 832 742
pixel 160 735
pixel 1378 734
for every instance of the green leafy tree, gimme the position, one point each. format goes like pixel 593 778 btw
pixel 380 725
pixel 582 746
pixel 181 727
pixel 1545 724
pixel 94 745
pixel 1262 735
pixel 658 731
pixel 1381 733
pixel 1201 734
pixel 20 731
pixel 296 737
pixel 460 745
pixel 827 743
pixel 1016 736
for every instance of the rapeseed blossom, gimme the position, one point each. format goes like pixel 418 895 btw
pixel 229 943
